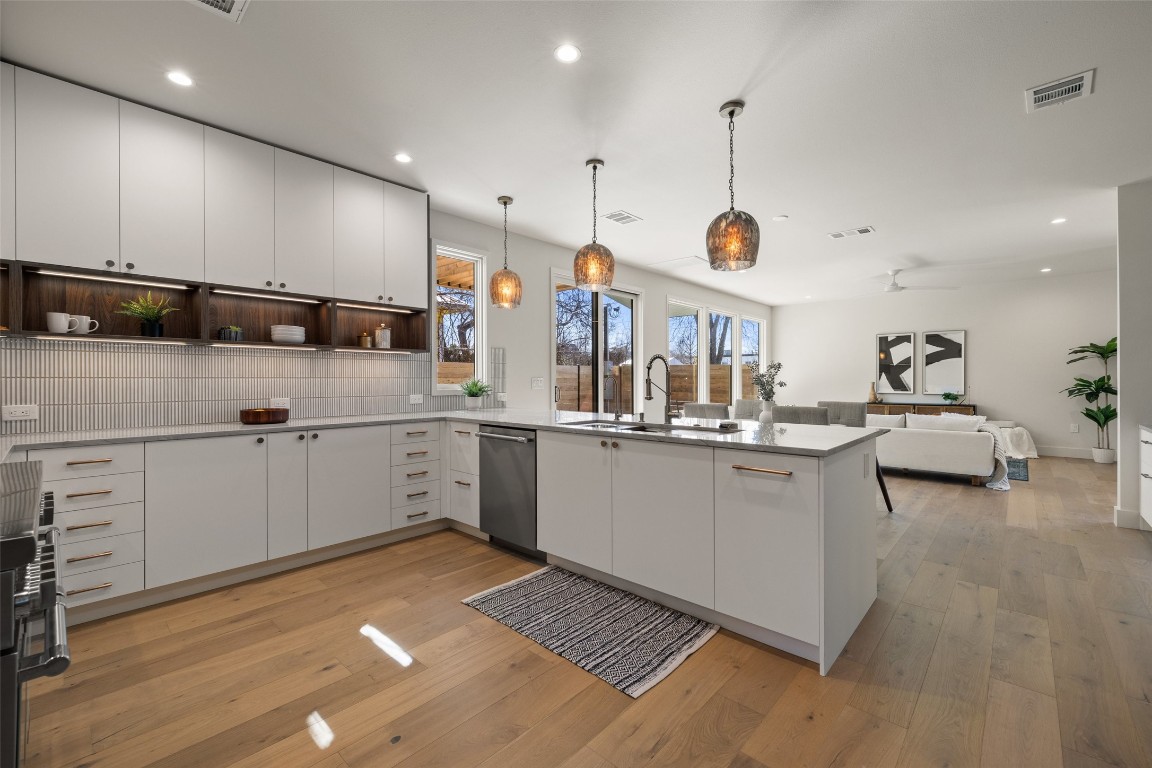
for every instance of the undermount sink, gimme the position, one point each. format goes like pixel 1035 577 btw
pixel 632 426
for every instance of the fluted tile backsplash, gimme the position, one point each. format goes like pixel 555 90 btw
pixel 82 385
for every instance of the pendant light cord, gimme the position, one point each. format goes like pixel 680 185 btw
pixel 731 160
pixel 505 235
pixel 593 204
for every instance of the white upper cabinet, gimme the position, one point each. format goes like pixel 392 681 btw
pixel 303 224
pixel 67 173
pixel 405 247
pixel 161 194
pixel 7 161
pixel 239 210
pixel 358 209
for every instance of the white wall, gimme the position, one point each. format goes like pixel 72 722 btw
pixel 1134 317
pixel 525 331
pixel 1018 336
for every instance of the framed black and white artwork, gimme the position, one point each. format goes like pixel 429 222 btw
pixel 943 362
pixel 895 372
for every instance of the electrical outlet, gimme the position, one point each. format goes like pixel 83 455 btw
pixel 1075 428
pixel 415 399
pixel 537 382
pixel 21 412
pixel 501 397
pixel 280 402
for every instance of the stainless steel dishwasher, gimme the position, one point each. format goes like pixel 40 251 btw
pixel 508 485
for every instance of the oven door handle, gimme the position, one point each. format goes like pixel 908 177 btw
pixel 55 657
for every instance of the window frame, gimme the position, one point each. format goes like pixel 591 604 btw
pixel 704 312
pixel 479 258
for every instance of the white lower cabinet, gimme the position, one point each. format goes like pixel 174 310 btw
pixel 1146 475
pixel 464 498
pixel 287 493
pixel 768 541
pixel 206 502
pixel 662 518
pixel 104 583
pixel 574 508
pixel 349 484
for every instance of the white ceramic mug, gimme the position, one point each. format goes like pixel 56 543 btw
pixel 62 322
pixel 84 324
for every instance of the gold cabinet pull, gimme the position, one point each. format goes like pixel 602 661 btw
pixel 783 472
pixel 461 482
pixel 417 494
pixel 78 462
pixel 417 453
pixel 417 514
pixel 105 585
pixel 105 492
pixel 413 434
pixel 421 473
pixel 87 525
pixel 462 432
pixel 89 557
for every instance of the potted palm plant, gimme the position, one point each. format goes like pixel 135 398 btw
pixel 473 390
pixel 1096 392
pixel 150 312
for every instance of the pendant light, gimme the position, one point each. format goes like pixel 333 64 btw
pixel 505 288
pixel 734 236
pixel 594 265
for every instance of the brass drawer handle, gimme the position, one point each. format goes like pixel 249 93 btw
pixel 421 473
pixel 89 493
pixel 88 525
pixel 413 434
pixel 417 514
pixel 88 557
pixel 78 462
pixel 416 453
pixel 105 585
pixel 417 494
pixel 461 482
pixel 784 472
pixel 461 432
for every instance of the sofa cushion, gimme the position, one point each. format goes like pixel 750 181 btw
pixel 883 421
pixel 952 423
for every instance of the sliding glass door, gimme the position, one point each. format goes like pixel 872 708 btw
pixel 595 345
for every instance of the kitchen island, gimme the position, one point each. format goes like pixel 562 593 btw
pixel 769 530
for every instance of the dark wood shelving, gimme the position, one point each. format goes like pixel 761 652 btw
pixel 257 315
pixel 409 328
pixel 7 297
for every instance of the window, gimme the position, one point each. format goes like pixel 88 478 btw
pixel 720 333
pixel 751 353
pixel 595 346
pixel 459 317
pixel 683 353
pixel 729 342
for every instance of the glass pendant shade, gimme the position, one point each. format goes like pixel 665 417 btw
pixel 594 267
pixel 505 289
pixel 733 240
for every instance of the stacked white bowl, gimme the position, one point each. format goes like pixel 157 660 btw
pixel 287 334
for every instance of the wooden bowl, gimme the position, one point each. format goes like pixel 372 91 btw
pixel 263 415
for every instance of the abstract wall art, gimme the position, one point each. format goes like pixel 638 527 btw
pixel 943 362
pixel 895 372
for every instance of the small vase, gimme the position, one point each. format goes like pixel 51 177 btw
pixel 872 396
pixel 154 330
pixel 766 411
pixel 473 403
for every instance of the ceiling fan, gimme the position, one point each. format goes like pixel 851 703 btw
pixel 895 287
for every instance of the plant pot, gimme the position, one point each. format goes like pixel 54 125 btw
pixel 227 334
pixel 1104 455
pixel 155 330
pixel 473 403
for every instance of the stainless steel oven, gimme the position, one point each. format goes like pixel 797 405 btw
pixel 33 621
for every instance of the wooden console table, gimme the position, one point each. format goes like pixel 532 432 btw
pixel 922 409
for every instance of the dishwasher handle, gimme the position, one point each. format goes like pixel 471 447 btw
pixel 509 438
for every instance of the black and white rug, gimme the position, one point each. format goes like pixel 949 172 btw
pixel 627 641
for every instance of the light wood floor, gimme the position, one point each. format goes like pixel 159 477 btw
pixel 1011 630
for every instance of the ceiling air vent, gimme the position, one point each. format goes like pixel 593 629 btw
pixel 851 232
pixel 1059 92
pixel 622 217
pixel 233 10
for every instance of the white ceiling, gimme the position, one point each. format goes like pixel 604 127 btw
pixel 905 116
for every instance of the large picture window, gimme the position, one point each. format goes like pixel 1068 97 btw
pixel 459 317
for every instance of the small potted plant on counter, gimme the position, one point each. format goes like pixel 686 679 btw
pixel 150 312
pixel 1097 391
pixel 474 390
pixel 230 333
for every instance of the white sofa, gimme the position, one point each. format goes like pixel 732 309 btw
pixel 947 448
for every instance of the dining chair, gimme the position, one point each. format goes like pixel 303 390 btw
pixel 852 414
pixel 705 411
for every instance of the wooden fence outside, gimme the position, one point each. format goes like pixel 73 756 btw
pixel 577 392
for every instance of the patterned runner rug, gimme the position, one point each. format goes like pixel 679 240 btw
pixel 627 641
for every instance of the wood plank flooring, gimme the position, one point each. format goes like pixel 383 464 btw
pixel 1011 630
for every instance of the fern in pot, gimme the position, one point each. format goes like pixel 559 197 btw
pixel 1096 392
pixel 150 312
pixel 474 390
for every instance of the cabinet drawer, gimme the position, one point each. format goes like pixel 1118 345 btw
pixel 97 554
pixel 419 472
pixel 83 524
pixel 411 453
pixel 1146 451
pixel 415 493
pixel 89 460
pixel 415 513
pixel 90 492
pixel 415 433
pixel 463 448
pixel 102 584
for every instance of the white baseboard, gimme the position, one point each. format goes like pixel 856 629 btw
pixel 1128 518
pixel 1064 452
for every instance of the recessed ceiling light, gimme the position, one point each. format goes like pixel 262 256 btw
pixel 1046 269
pixel 402 157
pixel 567 53
pixel 1059 221
pixel 807 297
pixel 179 78
pixel 781 217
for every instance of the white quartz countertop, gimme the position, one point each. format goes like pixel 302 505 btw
pixel 796 439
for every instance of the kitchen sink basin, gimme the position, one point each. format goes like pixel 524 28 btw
pixel 632 426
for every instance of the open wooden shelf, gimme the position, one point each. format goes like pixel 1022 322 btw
pixel 409 327
pixel 256 316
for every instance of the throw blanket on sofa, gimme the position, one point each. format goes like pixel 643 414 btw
pixel 999 479
pixel 1018 443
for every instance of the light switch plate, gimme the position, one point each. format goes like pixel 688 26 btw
pixel 21 412
pixel 280 402
pixel 537 382
pixel 1074 428
pixel 415 399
